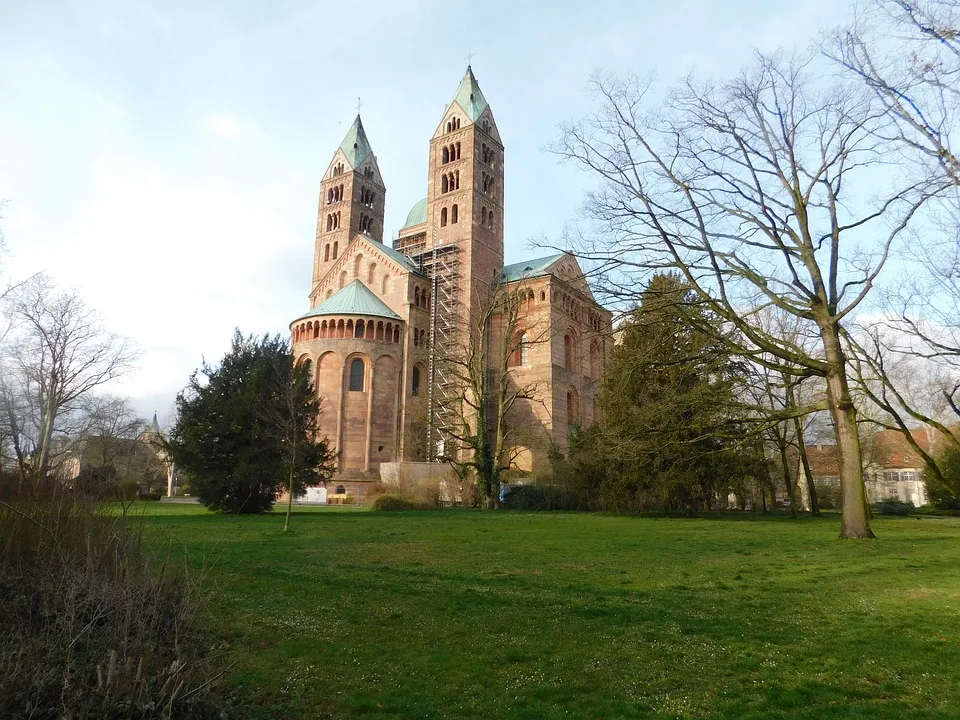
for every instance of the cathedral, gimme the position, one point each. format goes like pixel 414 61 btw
pixel 380 313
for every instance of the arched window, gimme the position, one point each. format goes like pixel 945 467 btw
pixel 329 292
pixel 329 223
pixel 358 329
pixel 518 355
pixel 456 180
pixel 458 151
pixel 483 216
pixel 453 215
pixel 573 410
pixel 416 296
pixel 335 244
pixel 568 352
pixel 385 285
pixel 490 220
pixel 543 296
pixel 356 265
pixel 396 333
pixel 596 362
pixel 444 186
pixel 443 217
pixel 380 330
pixel 356 375
pixel 446 155
pixel 343 278
pixel 416 379
pixel 326 253
pixel 524 349
pixel 449 127
pixel 371 272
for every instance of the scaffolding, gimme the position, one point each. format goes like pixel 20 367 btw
pixel 442 266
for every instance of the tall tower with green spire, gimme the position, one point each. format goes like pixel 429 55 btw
pixel 352 200
pixel 465 190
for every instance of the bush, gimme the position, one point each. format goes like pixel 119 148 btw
pixel 539 497
pixel 93 626
pixel 892 506
pixel 391 503
pixel 829 497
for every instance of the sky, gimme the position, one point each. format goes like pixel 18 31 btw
pixel 164 158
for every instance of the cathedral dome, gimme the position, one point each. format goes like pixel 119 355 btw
pixel 355 299
pixel 417 214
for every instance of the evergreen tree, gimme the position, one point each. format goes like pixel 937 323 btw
pixel 227 437
pixel 669 425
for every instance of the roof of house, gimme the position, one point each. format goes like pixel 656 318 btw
pixel 354 299
pixel 417 214
pixel 469 96
pixel 355 144
pixel 395 255
pixel 528 268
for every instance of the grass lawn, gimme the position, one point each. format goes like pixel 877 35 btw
pixel 515 615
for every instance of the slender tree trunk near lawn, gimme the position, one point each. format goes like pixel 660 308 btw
pixel 855 522
pixel 784 460
pixel 286 523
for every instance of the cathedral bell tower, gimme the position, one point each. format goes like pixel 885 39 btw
pixel 465 190
pixel 352 197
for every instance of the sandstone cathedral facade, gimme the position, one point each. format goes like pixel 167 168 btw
pixel 379 315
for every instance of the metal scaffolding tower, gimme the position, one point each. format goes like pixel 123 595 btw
pixel 442 266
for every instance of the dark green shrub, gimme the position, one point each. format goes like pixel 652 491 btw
pixel 540 497
pixel 390 503
pixel 892 506
pixel 829 497
pixel 94 627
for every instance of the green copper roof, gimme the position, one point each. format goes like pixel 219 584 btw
pixel 417 214
pixel 528 269
pixel 355 145
pixel 469 96
pixel 355 299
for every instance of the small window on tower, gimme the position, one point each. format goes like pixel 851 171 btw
pixel 453 215
pixel 416 379
pixel 446 155
pixel 443 217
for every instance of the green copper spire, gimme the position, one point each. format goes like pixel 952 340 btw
pixel 355 145
pixel 469 96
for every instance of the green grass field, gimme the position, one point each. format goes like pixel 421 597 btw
pixel 513 615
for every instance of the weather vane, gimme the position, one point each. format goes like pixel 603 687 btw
pixel 470 55
pixel 359 105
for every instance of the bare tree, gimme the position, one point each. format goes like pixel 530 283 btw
pixel 754 190
pixel 292 409
pixel 484 441
pixel 907 54
pixel 58 355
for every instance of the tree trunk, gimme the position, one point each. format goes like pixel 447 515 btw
pixel 286 523
pixel 784 460
pixel 855 521
pixel 805 464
